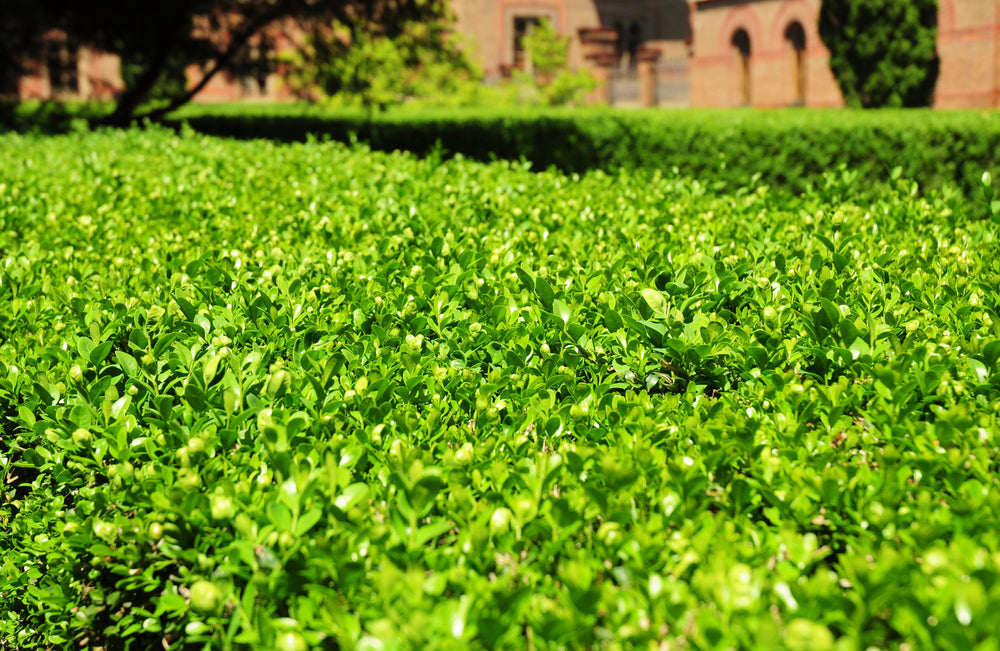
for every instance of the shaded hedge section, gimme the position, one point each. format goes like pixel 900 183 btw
pixel 790 149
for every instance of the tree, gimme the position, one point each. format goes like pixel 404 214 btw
pixel 16 37
pixel 158 40
pixel 550 78
pixel 882 52
pixel 378 63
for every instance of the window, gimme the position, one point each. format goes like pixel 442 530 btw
pixel 741 45
pixel 60 60
pixel 796 37
pixel 252 69
pixel 629 40
pixel 522 27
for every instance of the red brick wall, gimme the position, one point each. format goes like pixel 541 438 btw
pixel 968 42
pixel 716 77
pixel 967 45
pixel 487 25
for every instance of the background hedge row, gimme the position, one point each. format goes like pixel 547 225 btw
pixel 790 149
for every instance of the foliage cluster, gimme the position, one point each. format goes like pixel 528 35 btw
pixel 383 402
pixel 790 149
pixel 157 42
pixel 883 53
pixel 549 81
pixel 361 61
pixel 424 64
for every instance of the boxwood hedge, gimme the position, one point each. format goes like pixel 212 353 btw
pixel 789 149
pixel 312 396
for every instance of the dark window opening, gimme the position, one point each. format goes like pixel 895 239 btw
pixel 629 40
pixel 522 27
pixel 741 44
pixel 796 37
pixel 253 67
pixel 61 62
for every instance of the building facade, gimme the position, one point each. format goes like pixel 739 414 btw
pixel 768 53
pixel 722 53
pixel 494 30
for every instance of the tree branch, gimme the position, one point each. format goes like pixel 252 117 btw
pixel 222 62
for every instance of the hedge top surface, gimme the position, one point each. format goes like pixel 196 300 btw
pixel 788 149
pixel 256 395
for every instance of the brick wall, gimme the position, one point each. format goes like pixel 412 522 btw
pixel 968 41
pixel 967 45
pixel 487 26
pixel 717 73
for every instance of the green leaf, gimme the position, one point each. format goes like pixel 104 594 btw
pixel 351 496
pixel 85 347
pixel 100 353
pixel 613 320
pixel 526 281
pixel 137 337
pixel 308 520
pixel 561 310
pixel 202 322
pixel 128 363
pixel 186 308
pixel 979 370
pixel 213 369
pixel 280 516
pixel 654 299
pixel 120 407
pixel 544 291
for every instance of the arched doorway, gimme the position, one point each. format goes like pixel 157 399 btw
pixel 795 36
pixel 741 46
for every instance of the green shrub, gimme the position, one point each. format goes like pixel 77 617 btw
pixel 288 396
pixel 787 149
pixel 549 81
pixel 882 53
pixel 356 64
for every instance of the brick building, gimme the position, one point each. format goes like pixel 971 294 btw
pixel 660 28
pixel 768 53
pixel 647 52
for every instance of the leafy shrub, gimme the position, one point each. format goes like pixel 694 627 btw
pixel 549 81
pixel 882 53
pixel 789 149
pixel 352 63
pixel 288 396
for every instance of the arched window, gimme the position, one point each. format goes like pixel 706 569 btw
pixel 796 37
pixel 741 45
pixel 629 39
pixel 61 64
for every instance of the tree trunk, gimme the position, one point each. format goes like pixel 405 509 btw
pixel 175 30
pixel 136 94
pixel 223 61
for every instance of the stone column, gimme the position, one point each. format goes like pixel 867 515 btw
pixel 602 73
pixel 599 45
pixel 648 56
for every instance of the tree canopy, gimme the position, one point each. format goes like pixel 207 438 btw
pixel 158 40
pixel 882 52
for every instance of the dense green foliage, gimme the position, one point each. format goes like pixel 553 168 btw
pixel 549 81
pixel 158 41
pixel 882 52
pixel 291 396
pixel 361 61
pixel 790 149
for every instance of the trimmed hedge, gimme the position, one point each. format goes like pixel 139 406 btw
pixel 790 149
pixel 258 396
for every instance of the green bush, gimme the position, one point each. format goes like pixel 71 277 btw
pixel 264 396
pixel 882 52
pixel 357 64
pixel 787 149
pixel 549 81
